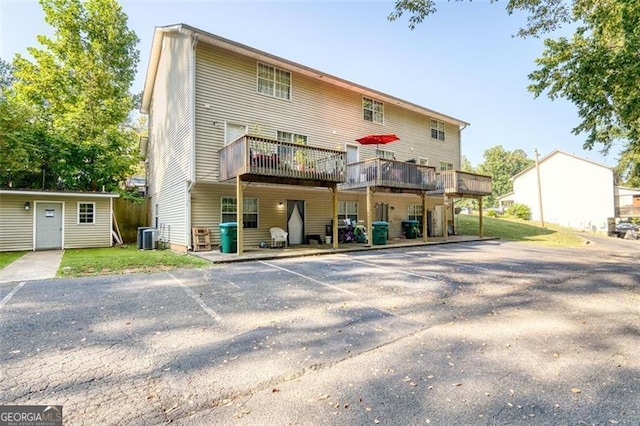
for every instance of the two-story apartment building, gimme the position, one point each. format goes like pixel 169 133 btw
pixel 237 133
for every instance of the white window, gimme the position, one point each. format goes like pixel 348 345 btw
pixel 87 213
pixel 423 161
pixel 414 212
pixel 444 166
pixel 291 137
pixel 229 211
pixel 437 129
pixel 273 81
pixel 373 110
pixel 347 210
pixel 383 153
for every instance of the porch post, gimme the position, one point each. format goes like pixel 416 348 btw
pixel 445 229
pixel 334 231
pixel 369 216
pixel 239 214
pixel 424 216
pixel 480 224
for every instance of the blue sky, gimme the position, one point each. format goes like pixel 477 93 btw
pixel 462 61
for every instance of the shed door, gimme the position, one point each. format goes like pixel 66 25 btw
pixel 48 226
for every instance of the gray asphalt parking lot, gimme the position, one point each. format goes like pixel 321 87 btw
pixel 481 333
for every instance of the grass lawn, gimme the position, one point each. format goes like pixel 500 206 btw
pixel 122 260
pixel 520 230
pixel 6 257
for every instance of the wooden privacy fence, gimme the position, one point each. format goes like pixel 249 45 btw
pixel 130 216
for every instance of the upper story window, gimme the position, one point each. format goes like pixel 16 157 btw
pixel 437 129
pixel 383 153
pixel 87 213
pixel 373 110
pixel 291 137
pixel 423 161
pixel 445 166
pixel 273 81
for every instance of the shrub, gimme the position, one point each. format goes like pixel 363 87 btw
pixel 521 211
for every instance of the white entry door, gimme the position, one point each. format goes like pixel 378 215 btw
pixel 48 226
pixel 436 220
pixel 295 221
pixel 233 132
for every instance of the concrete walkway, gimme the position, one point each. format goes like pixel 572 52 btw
pixel 35 265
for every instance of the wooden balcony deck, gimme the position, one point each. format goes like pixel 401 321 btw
pixel 457 184
pixel 390 175
pixel 258 159
pixel 628 211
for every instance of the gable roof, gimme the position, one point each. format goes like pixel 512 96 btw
pixel 557 152
pixel 262 56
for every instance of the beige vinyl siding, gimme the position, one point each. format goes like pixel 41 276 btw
pixel 169 151
pixel 16 223
pixel 82 235
pixel 328 115
pixel 205 202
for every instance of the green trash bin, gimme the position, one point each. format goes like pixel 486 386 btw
pixel 410 228
pixel 229 237
pixel 380 229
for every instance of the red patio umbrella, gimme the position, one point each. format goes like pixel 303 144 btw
pixel 378 139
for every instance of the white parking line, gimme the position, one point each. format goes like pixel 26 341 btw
pixel 11 293
pixel 396 270
pixel 195 297
pixel 308 278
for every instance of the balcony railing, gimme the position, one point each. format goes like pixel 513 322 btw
pixel 267 160
pixel 454 182
pixel 379 172
pixel 627 211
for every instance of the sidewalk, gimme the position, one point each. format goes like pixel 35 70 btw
pixel 253 253
pixel 35 265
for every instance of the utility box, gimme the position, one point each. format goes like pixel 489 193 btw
pixel 229 237
pixel 380 229
pixel 149 239
pixel 140 235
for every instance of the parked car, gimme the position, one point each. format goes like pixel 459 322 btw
pixel 623 227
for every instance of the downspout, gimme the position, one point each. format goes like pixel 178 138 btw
pixel 192 151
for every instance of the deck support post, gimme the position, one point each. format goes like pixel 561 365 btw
pixel 334 215
pixel 480 224
pixel 423 196
pixel 369 216
pixel 445 228
pixel 240 214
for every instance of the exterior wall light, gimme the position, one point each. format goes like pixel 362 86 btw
pixel 27 205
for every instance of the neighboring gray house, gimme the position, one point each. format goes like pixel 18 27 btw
pixel 228 122
pixel 49 220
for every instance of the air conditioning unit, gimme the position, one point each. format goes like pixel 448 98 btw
pixel 149 237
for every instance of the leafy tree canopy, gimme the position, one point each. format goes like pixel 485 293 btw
pixel 72 101
pixel 598 68
pixel 502 165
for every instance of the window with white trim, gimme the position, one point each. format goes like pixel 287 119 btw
pixel 437 129
pixel 273 81
pixel 229 211
pixel 347 210
pixel 291 137
pixel 86 213
pixel 423 161
pixel 373 110
pixel 383 153
pixel 444 166
pixel 414 212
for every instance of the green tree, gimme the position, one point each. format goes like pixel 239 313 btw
pixel 597 69
pixel 628 168
pixel 502 165
pixel 75 92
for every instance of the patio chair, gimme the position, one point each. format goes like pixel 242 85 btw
pixel 278 237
